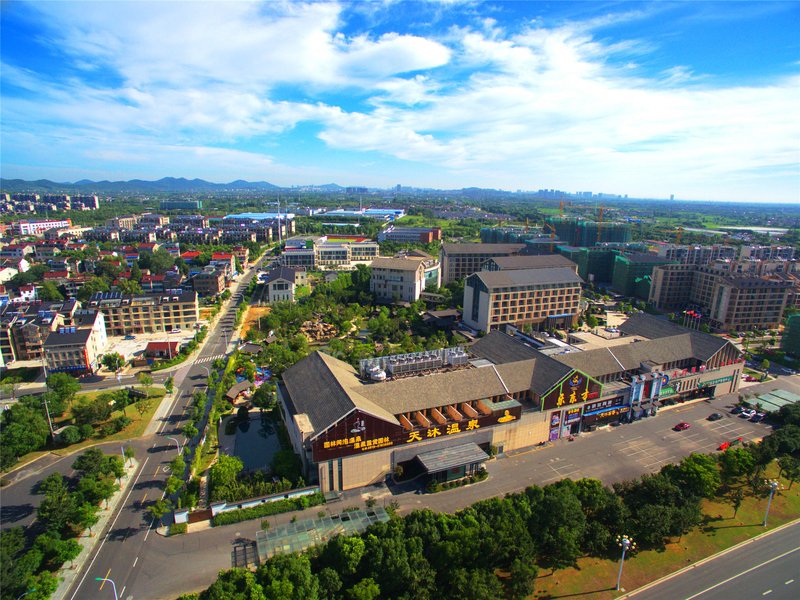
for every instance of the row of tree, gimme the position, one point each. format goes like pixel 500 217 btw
pixel 68 508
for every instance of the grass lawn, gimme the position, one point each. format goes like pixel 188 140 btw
pixel 594 579
pixel 134 430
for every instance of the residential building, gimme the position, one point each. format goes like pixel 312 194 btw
pixel 397 279
pixel 147 313
pixel 189 221
pixel 540 298
pixel 316 253
pixel 181 204
pixel 209 282
pixel 153 220
pixel 77 348
pixel 696 255
pixel 164 350
pixel 282 284
pixel 410 235
pixel 573 231
pixel 123 222
pixel 633 273
pixel 24 327
pixel 767 252
pixel 25 228
pixel 460 260
pixel 726 299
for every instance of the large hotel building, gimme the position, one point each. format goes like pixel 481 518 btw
pixel 460 260
pixel 439 412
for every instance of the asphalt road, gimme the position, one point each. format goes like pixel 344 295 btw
pixel 765 568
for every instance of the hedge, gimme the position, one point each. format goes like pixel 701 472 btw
pixel 267 509
pixel 178 528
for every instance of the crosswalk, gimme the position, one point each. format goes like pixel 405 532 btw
pixel 208 359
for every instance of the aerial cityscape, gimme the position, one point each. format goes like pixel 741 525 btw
pixel 394 300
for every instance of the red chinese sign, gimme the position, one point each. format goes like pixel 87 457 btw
pixel 574 389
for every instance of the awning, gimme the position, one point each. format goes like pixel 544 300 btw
pixel 449 458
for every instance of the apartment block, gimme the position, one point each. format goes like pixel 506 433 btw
pixel 410 235
pixel 542 298
pixel 77 348
pixel 696 255
pixel 397 279
pixel 314 253
pixel 460 260
pixel 282 284
pixel 209 282
pixel 147 313
pixel 38 227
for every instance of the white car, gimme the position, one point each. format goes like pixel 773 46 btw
pixel 747 413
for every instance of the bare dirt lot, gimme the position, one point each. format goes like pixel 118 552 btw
pixel 250 319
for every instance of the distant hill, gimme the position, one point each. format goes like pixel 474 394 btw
pixel 166 184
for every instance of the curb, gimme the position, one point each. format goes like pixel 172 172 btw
pixel 709 559
pixel 68 575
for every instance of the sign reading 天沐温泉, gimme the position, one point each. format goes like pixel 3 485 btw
pixel 361 432
pixel 573 389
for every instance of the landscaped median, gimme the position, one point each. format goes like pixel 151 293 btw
pixel 267 509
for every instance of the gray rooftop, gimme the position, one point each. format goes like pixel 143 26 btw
pixel 547 276
pixel 476 248
pixel 436 461
pixel 543 261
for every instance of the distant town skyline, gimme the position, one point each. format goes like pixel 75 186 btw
pixel 695 99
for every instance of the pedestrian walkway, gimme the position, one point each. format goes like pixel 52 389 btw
pixel 208 359
pixel 70 572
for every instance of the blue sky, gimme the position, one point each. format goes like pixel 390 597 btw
pixel 696 99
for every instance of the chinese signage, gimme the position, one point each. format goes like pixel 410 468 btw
pixel 668 391
pixel 574 389
pixel 715 381
pixel 361 432
pixel 573 416
pixel 594 406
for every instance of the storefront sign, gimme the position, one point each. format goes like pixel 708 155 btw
pixel 610 402
pixel 715 381
pixel 573 416
pixel 361 432
pixel 668 391
pixel 555 419
pixel 606 414
pixel 574 389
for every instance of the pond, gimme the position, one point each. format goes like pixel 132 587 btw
pixel 256 443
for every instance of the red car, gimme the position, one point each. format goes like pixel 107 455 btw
pixel 682 426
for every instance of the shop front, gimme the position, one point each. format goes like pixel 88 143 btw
pixel 604 412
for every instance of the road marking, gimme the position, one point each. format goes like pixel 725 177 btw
pixel 133 485
pixel 105 579
pixel 788 582
pixel 767 592
pixel 766 562
pixel 144 497
pixel 135 561
pixel 123 591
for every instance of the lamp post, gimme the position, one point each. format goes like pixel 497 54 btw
pixel 177 443
pixel 773 487
pixel 113 585
pixel 626 544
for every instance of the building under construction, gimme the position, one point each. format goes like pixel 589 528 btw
pixel 573 231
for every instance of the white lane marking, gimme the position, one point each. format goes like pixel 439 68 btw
pixel 148 529
pixel 135 561
pixel 788 582
pixel 767 592
pixel 80 583
pixel 766 562
pixel 123 590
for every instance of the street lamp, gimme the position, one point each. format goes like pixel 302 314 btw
pixel 626 544
pixel 112 584
pixel 177 443
pixel 773 487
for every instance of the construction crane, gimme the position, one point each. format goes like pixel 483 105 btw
pixel 600 223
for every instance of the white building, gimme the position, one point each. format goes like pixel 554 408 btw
pixel 397 279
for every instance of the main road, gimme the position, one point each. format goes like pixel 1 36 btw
pixel 130 537
pixel 768 567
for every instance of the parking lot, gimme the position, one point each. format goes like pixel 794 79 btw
pixel 130 348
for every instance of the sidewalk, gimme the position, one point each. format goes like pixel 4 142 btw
pixel 69 573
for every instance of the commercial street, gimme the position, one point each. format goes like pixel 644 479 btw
pixel 765 568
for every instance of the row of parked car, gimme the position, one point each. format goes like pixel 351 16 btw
pixel 749 413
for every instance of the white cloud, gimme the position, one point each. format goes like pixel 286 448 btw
pixel 534 108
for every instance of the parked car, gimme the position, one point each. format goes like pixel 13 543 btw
pixel 747 413
pixel 714 416
pixel 682 426
pixel 758 417
pixel 175 331
pixel 737 409
pixel 130 337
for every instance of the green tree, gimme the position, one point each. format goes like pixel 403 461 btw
pixel 113 361
pixel 697 475
pixel 92 286
pixel 129 454
pixel 143 405
pixel 158 509
pixel 86 516
pixel 522 577
pixel 169 384
pixel 90 412
pixel 129 286
pixel 764 365
pixel 736 498
pixel 366 589
pixel 58 507
pixel 173 485
pixel 136 273
pixel 790 468
pixel 234 584
pixel 189 431
pixel 23 430
pixel 70 435
pixel 224 472
pixel 159 262
pixel 49 291
pixel 735 462
pixel 56 551
pixel 64 385
pixel 145 380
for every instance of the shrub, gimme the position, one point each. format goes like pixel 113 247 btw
pixel 71 435
pixel 178 528
pixel 121 422
pixel 267 509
